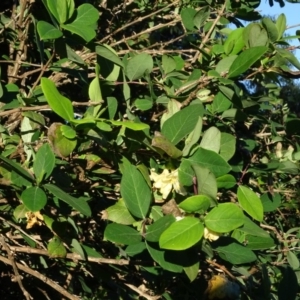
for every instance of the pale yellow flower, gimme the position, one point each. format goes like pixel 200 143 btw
pixel 211 235
pixel 166 182
pixel 33 218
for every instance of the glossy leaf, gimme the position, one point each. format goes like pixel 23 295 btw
pixel 181 123
pixel 79 204
pixel 158 227
pixel 220 103
pixel 271 29
pixel 131 125
pixel 34 198
pixel 56 248
pixel 68 131
pixel 121 234
pixel 195 203
pixel 281 25
pixel 226 181
pixel 187 17
pixel 109 53
pixel 160 257
pixel 58 103
pixel 227 145
pixel 250 203
pixel 84 24
pixel 234 253
pixel 211 139
pixel 135 191
pixel 47 31
pixel 138 66
pixel 182 234
pixel 61 10
pixel 161 142
pixel 210 160
pixel 118 213
pixel 192 138
pixel 245 60
pixel 224 218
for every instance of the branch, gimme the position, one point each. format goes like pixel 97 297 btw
pixel 141 293
pixel 73 256
pixel 41 277
pixel 14 266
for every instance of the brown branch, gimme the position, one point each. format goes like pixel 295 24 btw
pixel 24 232
pixel 41 277
pixel 141 293
pixel 138 20
pixel 43 107
pixel 148 30
pixel 211 262
pixel 207 36
pixel 14 266
pixel 73 256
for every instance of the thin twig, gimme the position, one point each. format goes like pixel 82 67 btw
pixel 207 36
pixel 141 293
pixel 14 266
pixel 73 256
pixel 41 277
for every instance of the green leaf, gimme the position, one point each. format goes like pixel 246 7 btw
pixel 186 173
pixel 58 103
pixel 138 65
pixel 61 10
pixel 192 271
pixel 118 213
pixel 135 191
pixel 293 260
pixel 79 204
pixel 61 145
pixel 122 234
pixel 250 203
pixel 77 248
pixel 161 258
pixel 158 227
pixel 182 234
pixel 181 123
pixel 201 16
pixel 56 248
pixel 281 25
pixel 227 147
pixel 135 249
pixel 47 31
pixel 195 203
pixel 255 35
pixel 233 252
pixel 250 228
pixel 20 212
pixel 210 160
pixel 109 53
pixel 84 24
pixel 271 29
pixel 259 243
pixel 164 144
pixel 206 181
pixel 224 218
pixel 17 168
pixel 226 181
pixel 234 42
pixel 34 198
pixel 224 64
pixel 168 63
pixel 95 90
pixel 68 131
pixel 192 138
pixel 187 17
pixel 289 56
pixel 131 125
pixel 143 104
pixel 245 60
pixel 211 139
pixel 220 103
pixel 269 202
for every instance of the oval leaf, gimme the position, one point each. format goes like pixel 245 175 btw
pixel 245 60
pixel 224 218
pixel 250 203
pixel 182 234
pixel 122 234
pixel 135 191
pixel 195 203
pixel 34 198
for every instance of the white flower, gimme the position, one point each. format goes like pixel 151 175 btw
pixel 166 181
pixel 211 235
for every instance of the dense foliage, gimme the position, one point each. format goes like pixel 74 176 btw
pixel 148 149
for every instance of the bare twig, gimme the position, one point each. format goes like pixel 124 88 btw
pixel 14 266
pixel 141 293
pixel 73 256
pixel 41 277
